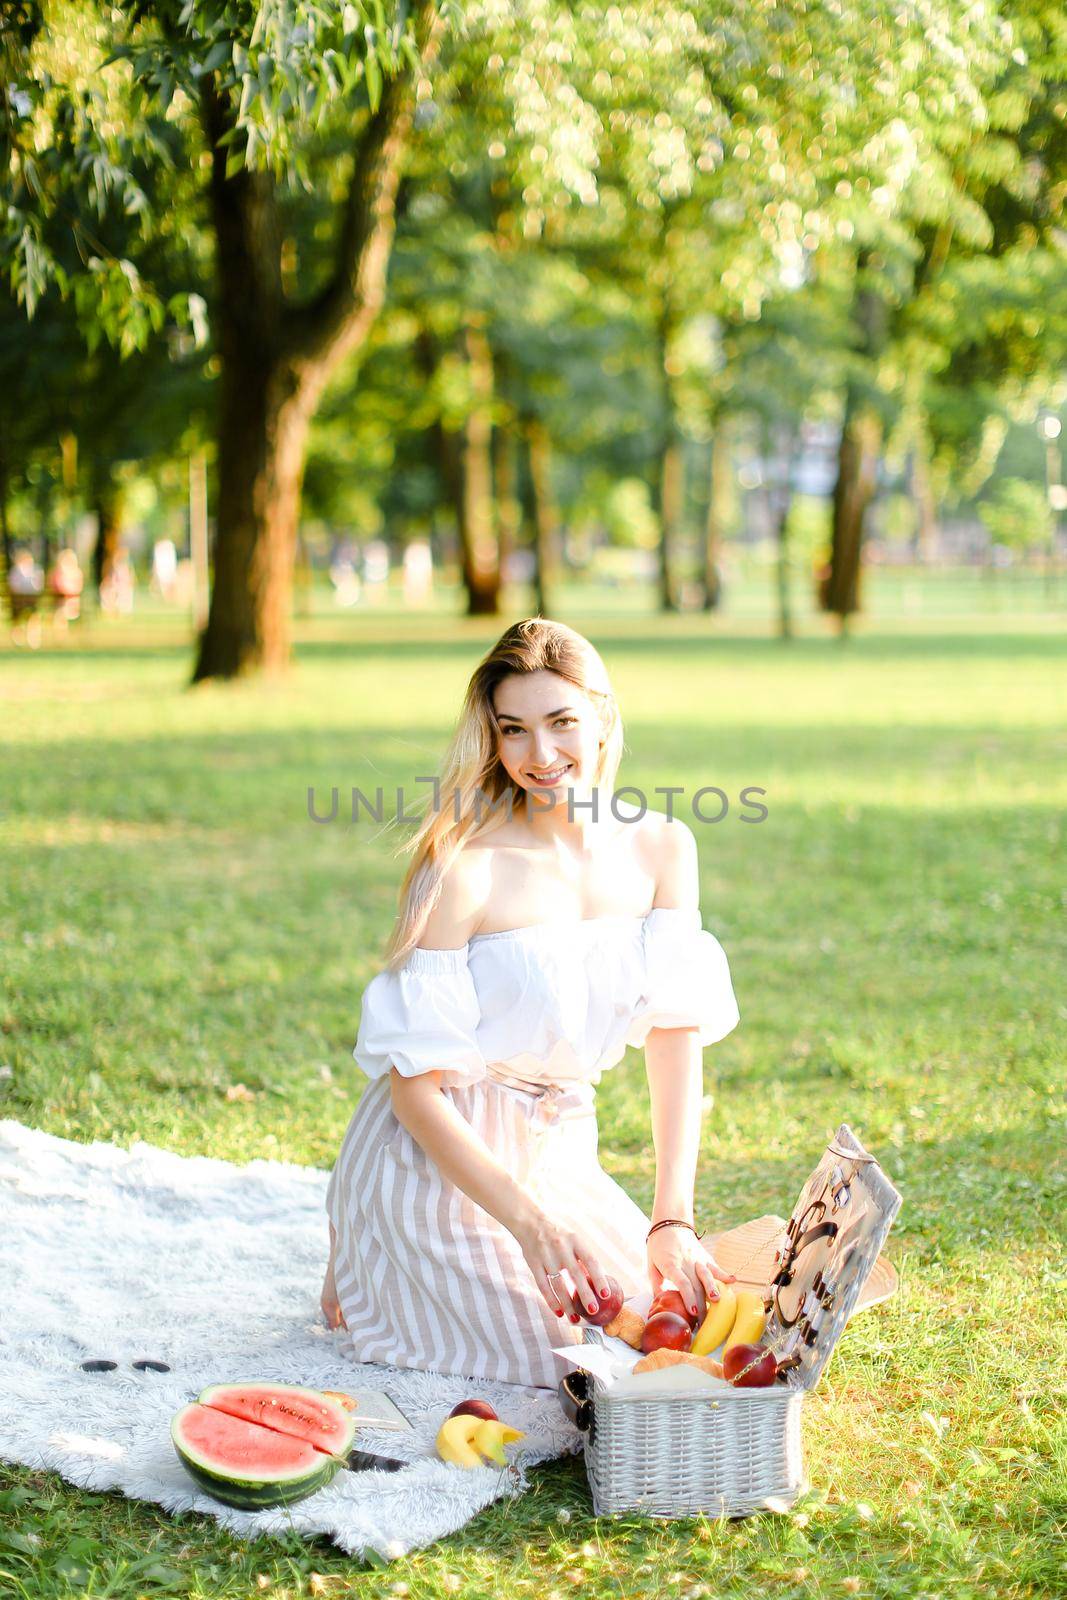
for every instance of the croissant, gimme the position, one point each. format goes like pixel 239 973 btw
pixel 673 1358
pixel 626 1325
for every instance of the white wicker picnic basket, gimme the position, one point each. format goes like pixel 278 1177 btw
pixel 727 1452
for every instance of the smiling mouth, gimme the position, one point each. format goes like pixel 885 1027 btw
pixel 550 777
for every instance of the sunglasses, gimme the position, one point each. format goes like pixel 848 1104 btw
pixel 357 1460
pixel 143 1365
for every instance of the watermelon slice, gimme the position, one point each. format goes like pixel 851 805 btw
pixel 251 1464
pixel 304 1413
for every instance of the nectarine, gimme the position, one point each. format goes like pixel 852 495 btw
pixel 671 1300
pixel 608 1306
pixel 474 1408
pixel 747 1366
pixel 666 1331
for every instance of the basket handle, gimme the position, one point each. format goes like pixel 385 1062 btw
pixel 822 1230
pixel 574 1398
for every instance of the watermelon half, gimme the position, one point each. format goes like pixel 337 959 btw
pixel 253 1445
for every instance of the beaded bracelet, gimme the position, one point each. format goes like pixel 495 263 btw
pixel 671 1222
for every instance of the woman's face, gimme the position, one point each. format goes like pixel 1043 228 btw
pixel 548 732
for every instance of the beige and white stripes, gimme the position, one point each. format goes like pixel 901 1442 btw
pixel 426 1278
pixel 521 1024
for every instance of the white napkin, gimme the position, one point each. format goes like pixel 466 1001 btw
pixel 612 1360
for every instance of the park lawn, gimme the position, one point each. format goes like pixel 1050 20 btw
pixel 175 926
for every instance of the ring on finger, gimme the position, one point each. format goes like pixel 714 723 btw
pixel 562 1296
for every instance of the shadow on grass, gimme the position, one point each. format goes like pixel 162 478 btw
pixel 645 640
pixel 682 639
pixel 228 779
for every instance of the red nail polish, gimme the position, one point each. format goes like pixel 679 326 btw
pixel 559 1313
pixel 575 1317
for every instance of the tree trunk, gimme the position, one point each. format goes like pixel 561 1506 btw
pixel 545 516
pixel 481 556
pixel 671 499
pixel 785 614
pixel 263 428
pixel 465 465
pixel 108 500
pixel 7 551
pixel 670 484
pixel 718 480
pixel 857 459
pixel 506 488
pixel 198 538
pixel 508 506
pixel 781 503
pixel 46 540
pixel 276 357
pixel 857 469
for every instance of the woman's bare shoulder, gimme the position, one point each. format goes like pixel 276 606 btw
pixel 676 865
pixel 460 902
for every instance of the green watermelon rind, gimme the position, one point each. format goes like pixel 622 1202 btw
pixel 258 1494
pixel 251 1492
pixel 210 1397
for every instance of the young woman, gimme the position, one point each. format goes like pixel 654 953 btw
pixel 537 938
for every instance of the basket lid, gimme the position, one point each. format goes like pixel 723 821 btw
pixel 749 1251
pixel 822 1264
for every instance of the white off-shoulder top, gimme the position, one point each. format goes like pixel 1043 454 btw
pixel 552 1003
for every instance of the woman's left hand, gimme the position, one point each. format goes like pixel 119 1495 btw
pixel 677 1254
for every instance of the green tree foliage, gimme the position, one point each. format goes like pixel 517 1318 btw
pixel 1017 514
pixel 290 118
pixel 618 231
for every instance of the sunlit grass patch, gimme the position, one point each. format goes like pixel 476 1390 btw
pixel 183 957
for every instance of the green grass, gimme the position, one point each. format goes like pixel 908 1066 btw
pixel 175 925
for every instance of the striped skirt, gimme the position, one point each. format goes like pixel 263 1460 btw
pixel 426 1278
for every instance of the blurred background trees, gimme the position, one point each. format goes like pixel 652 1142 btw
pixel 550 289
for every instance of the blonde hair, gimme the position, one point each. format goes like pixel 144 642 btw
pixel 472 783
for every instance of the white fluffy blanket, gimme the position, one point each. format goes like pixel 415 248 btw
pixel 216 1270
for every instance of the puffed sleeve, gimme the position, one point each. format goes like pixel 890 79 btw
pixel 422 1016
pixel 687 979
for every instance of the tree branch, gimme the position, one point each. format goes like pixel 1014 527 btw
pixel 338 319
pixel 247 235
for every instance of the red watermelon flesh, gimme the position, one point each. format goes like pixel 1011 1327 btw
pixel 228 1445
pixel 288 1409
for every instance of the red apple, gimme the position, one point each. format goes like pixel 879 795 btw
pixel 608 1306
pixel 666 1331
pixel 475 1408
pixel 747 1366
pixel 672 1300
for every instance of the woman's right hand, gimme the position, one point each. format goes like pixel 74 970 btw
pixel 551 1248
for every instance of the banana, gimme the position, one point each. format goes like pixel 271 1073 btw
pixel 717 1322
pixel 454 1441
pixel 491 1438
pixel 750 1321
pixel 468 1441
